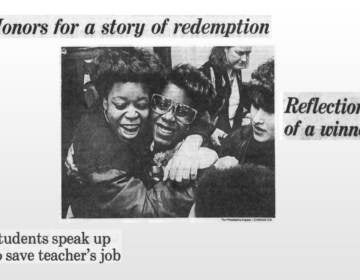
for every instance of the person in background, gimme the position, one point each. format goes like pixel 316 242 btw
pixel 231 103
pixel 241 183
pixel 254 143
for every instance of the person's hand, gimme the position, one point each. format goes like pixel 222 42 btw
pixel 184 164
pixel 182 167
pixel 217 136
pixel 69 162
pixel 226 163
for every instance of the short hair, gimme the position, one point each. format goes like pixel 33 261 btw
pixel 261 87
pixel 196 85
pixel 244 191
pixel 264 75
pixel 261 97
pixel 128 65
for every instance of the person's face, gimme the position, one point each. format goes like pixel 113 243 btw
pixel 263 124
pixel 237 57
pixel 127 108
pixel 167 130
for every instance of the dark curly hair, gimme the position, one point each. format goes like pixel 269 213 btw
pixel 261 97
pixel 128 65
pixel 264 75
pixel 196 85
pixel 261 87
pixel 243 191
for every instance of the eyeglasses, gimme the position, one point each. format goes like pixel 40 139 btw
pixel 182 112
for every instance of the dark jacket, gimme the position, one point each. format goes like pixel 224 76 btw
pixel 134 192
pixel 131 197
pixel 221 82
pixel 242 145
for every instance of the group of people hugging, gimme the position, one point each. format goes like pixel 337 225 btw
pixel 184 142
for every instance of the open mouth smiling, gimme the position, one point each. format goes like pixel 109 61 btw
pixel 164 129
pixel 130 127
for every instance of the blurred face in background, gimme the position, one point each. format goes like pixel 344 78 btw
pixel 127 108
pixel 237 57
pixel 263 124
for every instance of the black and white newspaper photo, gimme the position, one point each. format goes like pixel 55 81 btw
pixel 179 140
pixel 168 132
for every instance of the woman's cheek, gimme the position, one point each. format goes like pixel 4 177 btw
pixel 145 118
pixel 144 114
pixel 116 114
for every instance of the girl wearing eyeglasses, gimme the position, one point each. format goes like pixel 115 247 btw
pixel 110 146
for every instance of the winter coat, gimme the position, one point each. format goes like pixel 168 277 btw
pixel 221 82
pixel 242 145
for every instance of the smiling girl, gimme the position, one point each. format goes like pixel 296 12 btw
pixel 110 141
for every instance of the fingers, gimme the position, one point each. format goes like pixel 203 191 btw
pixel 183 166
pixel 167 170
pixel 217 136
pixel 68 169
pixel 215 140
pixel 183 173
pixel 222 136
pixel 174 169
pixel 181 169
pixel 69 162
pixel 194 169
pixel 226 163
pixel 71 149
pixel 69 158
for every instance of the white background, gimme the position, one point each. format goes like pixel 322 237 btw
pixel 316 232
